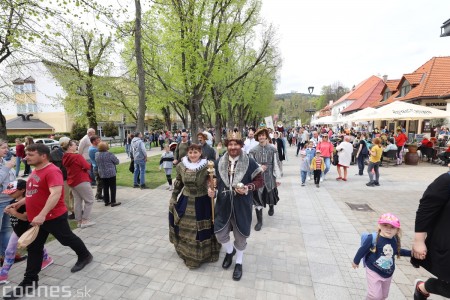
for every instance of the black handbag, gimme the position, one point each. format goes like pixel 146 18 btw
pixel 335 159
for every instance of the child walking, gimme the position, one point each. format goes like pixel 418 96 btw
pixel 318 166
pixel 304 166
pixel 310 153
pixel 380 259
pixel 166 162
pixel 20 224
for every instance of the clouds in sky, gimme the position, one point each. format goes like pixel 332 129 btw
pixel 325 41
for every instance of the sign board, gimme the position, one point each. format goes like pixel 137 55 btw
pixel 269 122
pixel 419 137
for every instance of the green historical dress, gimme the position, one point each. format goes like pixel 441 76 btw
pixel 190 225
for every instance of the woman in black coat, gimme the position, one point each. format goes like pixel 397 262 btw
pixel 431 248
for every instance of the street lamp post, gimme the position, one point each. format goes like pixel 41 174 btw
pixel 310 109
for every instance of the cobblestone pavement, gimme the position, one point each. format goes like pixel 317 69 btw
pixel 304 251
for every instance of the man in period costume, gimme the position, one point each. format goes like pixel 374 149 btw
pixel 266 156
pixel 237 176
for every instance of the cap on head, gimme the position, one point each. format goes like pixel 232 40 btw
pixel 389 218
pixel 14 186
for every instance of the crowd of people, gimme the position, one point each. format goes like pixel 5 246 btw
pixel 210 200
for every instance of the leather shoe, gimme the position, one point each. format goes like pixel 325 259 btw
pixel 115 204
pixel 237 274
pixel 228 259
pixel 271 210
pixel 81 263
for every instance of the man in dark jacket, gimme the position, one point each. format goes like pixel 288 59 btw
pixel 56 157
pixel 431 248
pixel 237 176
pixel 207 151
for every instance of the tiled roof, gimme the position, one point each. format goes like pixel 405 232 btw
pixel 19 123
pixel 368 94
pixel 431 80
pixel 393 85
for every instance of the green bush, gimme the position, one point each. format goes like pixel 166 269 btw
pixel 78 131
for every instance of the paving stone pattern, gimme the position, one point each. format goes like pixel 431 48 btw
pixel 304 251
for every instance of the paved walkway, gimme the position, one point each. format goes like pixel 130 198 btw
pixel 304 251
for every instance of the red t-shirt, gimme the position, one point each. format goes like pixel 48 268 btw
pixel 401 139
pixel 38 191
pixel 20 150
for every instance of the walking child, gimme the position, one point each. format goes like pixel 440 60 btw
pixel 310 153
pixel 20 224
pixel 304 166
pixel 317 166
pixel 379 256
pixel 166 162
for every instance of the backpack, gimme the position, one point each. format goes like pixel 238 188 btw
pixel 365 150
pixel 368 235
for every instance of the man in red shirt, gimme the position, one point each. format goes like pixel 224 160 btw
pixel 45 207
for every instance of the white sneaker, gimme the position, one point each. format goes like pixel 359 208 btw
pixel 309 178
pixel 87 224
pixel 171 188
pixel 321 179
pixel 303 184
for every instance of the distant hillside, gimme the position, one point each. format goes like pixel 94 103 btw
pixel 288 96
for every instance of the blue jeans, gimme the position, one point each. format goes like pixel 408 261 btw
pixel 139 168
pixel 127 149
pixel 6 229
pixel 303 175
pixel 18 160
pixel 361 158
pixel 327 165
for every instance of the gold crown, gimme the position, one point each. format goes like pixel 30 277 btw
pixel 232 135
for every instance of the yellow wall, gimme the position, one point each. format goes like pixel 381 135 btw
pixel 60 121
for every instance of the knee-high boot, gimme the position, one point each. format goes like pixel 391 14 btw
pixel 259 217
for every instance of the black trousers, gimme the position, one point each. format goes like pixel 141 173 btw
pixel 300 145
pixel 317 174
pixel 109 185
pixel 438 287
pixel 60 229
pixel 27 170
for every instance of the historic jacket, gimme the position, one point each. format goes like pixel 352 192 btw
pixel 248 172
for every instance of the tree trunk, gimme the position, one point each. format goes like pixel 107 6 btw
pixel 167 120
pixel 219 124
pixel 195 113
pixel 2 126
pixel 91 115
pixel 140 66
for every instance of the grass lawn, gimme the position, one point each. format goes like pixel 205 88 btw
pixel 117 150
pixel 153 176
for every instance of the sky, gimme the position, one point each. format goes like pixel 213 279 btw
pixel 326 41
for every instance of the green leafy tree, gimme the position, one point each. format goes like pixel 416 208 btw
pixel 110 129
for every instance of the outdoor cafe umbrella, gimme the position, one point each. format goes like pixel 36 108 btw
pixel 362 115
pixel 324 120
pixel 400 110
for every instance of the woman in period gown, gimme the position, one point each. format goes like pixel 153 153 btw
pixel 190 224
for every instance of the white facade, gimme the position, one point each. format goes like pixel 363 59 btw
pixel 48 93
pixel 337 108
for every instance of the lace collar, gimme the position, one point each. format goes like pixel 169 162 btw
pixel 193 166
